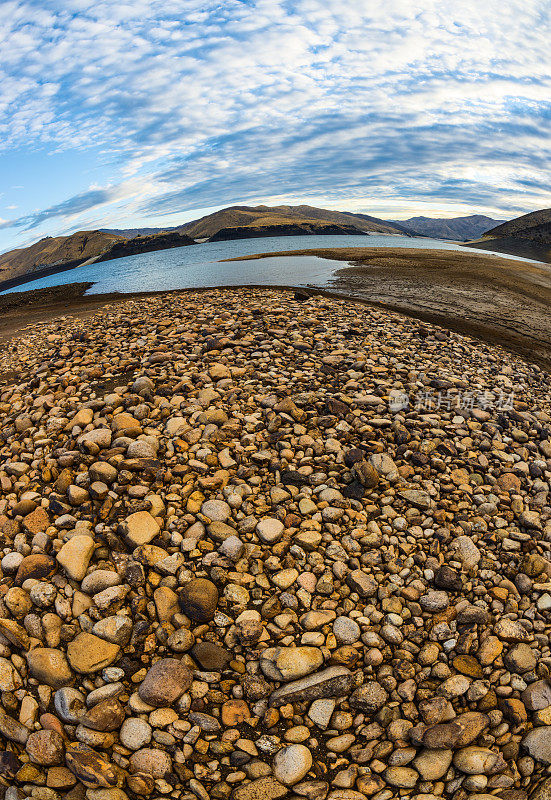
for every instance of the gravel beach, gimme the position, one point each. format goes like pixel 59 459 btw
pixel 258 545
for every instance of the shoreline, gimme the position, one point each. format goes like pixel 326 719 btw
pixel 21 309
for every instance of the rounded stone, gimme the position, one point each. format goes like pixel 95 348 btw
pixel 151 761
pixel 270 530
pixel 216 510
pixel 165 682
pixel 291 764
pixel 69 704
pixel 346 630
pixel 135 733
pixel 45 747
pixel 199 599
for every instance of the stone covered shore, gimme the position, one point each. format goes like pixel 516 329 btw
pixel 230 568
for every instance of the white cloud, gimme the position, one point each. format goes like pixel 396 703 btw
pixel 204 103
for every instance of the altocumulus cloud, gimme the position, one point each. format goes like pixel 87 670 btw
pixel 197 103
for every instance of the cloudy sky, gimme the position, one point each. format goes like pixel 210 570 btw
pixel 152 112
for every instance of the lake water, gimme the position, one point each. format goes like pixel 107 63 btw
pixel 198 266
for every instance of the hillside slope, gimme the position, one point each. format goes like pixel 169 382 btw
pixel 53 251
pixel 265 216
pixel 535 226
pixel 51 255
pixel 457 228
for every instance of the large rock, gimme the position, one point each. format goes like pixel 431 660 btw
pixel 88 653
pixel 290 663
pixel 330 682
pixel 291 764
pixel 151 761
pixel 45 747
pixel 369 697
pixel 538 744
pixel 459 732
pixel 479 761
pixel 465 551
pixel 90 768
pixel 537 695
pixel 139 528
pixel 199 599
pixel 50 666
pixel 75 556
pixel 165 682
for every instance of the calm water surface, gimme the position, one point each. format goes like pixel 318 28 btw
pixel 199 265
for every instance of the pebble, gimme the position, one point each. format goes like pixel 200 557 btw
pixel 291 764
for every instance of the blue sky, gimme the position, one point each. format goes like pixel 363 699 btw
pixel 117 114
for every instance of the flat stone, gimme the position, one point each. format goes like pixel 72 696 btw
pixel 509 630
pixel 321 711
pixel 330 682
pixel 210 656
pixel 266 788
pixel 75 556
pixel 50 666
pixel 88 653
pixel 12 729
pixel 140 528
pixel 92 769
pixel 270 530
pixel 290 663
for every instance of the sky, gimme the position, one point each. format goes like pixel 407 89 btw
pixel 153 112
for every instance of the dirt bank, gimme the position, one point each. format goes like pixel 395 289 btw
pixel 495 299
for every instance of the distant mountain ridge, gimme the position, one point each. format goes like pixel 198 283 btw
pixel 264 216
pixel 456 228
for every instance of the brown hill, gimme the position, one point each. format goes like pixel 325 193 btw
pixel 51 255
pixel 272 217
pixel 535 226
pixel 49 252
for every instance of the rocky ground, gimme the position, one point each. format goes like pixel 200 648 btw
pixel 232 567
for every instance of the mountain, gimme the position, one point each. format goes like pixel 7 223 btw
pixel 54 252
pixel 51 255
pixel 250 217
pixel 536 227
pixel 456 228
